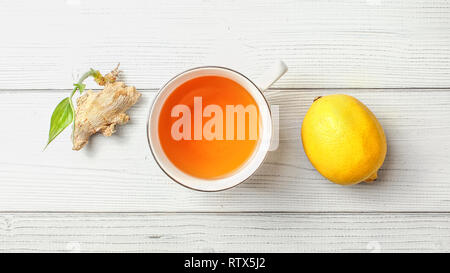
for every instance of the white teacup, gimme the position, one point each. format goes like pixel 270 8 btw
pixel 266 126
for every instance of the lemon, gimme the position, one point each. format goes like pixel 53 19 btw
pixel 343 139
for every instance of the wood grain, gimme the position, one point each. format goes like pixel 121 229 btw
pixel 118 174
pixel 400 48
pixel 212 232
pixel 364 44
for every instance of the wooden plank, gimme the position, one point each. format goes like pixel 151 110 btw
pixel 195 232
pixel 119 174
pixel 350 43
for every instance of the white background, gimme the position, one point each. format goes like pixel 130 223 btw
pixel 392 55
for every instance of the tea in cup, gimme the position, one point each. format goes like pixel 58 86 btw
pixel 210 128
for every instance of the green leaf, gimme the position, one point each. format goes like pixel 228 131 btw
pixel 80 86
pixel 61 118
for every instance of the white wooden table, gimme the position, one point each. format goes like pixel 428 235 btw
pixel 111 196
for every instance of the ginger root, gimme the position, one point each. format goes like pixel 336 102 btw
pixel 102 111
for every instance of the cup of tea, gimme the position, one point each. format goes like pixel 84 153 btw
pixel 210 128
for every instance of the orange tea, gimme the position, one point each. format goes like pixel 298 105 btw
pixel 209 126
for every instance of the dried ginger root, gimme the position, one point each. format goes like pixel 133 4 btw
pixel 102 111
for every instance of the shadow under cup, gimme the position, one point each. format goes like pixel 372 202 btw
pixel 235 176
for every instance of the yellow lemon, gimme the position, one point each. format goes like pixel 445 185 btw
pixel 343 139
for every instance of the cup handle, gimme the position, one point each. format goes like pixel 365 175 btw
pixel 263 83
pixel 271 75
